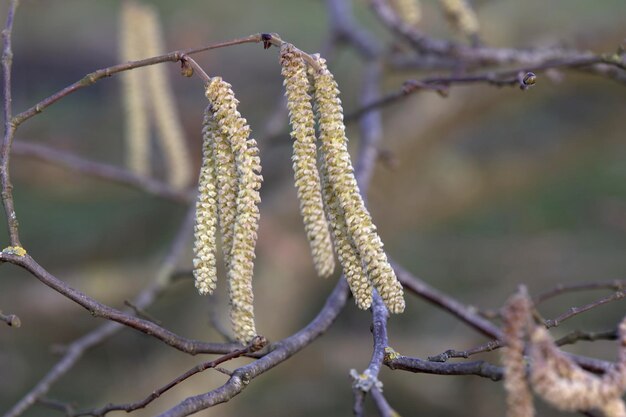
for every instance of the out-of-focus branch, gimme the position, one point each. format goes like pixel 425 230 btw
pixel 256 344
pixel 101 170
pixel 280 352
pixel 615 285
pixel 578 335
pixel 469 56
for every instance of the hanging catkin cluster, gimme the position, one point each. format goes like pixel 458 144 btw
pixel 554 376
pixel 359 247
pixel 228 196
pixel 149 89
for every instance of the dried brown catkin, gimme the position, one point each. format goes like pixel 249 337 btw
pixel 307 178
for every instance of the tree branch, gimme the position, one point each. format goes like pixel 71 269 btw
pixel 102 171
pixel 9 128
pixel 257 344
pixel 280 352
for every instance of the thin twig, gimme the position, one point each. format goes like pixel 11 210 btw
pixel 615 285
pixel 254 346
pixel 74 351
pixel 578 335
pixel 280 352
pixel 98 309
pixel 9 128
pixel 97 75
pixel 574 311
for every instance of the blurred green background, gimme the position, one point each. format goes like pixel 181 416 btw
pixel 486 189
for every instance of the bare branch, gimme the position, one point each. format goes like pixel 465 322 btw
pixel 574 311
pixel 101 170
pixel 257 344
pixel 9 128
pixel 97 75
pixel 615 285
pixel 280 352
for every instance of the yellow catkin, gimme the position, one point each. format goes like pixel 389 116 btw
pixel 241 265
pixel 565 385
pixel 461 16
pixel 205 229
pixel 349 257
pixel 227 189
pixel 137 134
pixel 518 396
pixel 167 119
pixel 410 11
pixel 340 175
pixel 307 177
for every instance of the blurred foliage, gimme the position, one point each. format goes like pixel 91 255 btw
pixel 487 189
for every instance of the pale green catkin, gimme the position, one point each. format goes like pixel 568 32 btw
pixel 349 257
pixel 307 179
pixel 461 16
pixel 227 189
pixel 137 134
pixel 340 175
pixel 235 127
pixel 170 131
pixel 410 11
pixel 205 229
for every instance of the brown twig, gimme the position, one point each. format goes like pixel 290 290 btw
pixel 100 310
pixel 615 285
pixel 257 344
pixel 574 311
pixel 578 335
pixel 101 170
pixel 280 352
pixel 97 75
pixel 74 351
pixel 9 128
pixel 518 78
